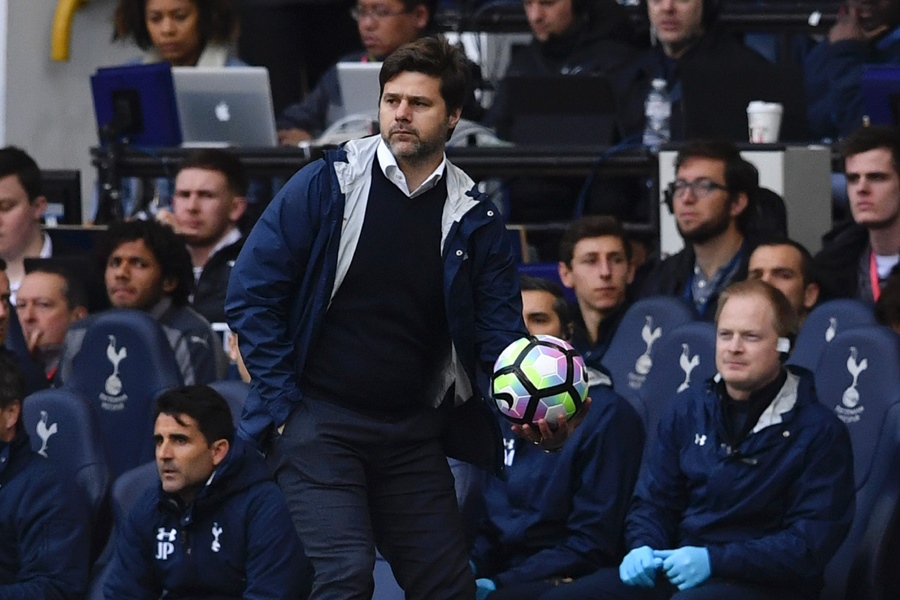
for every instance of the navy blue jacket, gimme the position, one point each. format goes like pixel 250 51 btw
pixel 772 510
pixel 562 514
pixel 833 75
pixel 283 281
pixel 236 540
pixel 44 535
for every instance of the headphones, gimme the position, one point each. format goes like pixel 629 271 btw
pixel 669 197
pixel 784 345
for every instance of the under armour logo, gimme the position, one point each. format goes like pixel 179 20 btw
pixel 700 440
pixel 164 545
pixel 216 531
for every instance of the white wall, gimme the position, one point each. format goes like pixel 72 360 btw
pixel 46 105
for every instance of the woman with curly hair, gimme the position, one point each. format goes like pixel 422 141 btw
pixel 180 32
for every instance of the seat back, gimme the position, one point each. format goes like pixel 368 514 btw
pixel 123 364
pixel 823 323
pixel 686 357
pixel 62 426
pixel 858 377
pixel 632 351
pixel 235 393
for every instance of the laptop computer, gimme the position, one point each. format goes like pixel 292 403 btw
pixel 561 110
pixel 360 90
pixel 136 104
pixel 224 106
pixel 714 99
pixel 881 94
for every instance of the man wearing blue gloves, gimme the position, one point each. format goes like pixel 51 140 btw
pixel 749 490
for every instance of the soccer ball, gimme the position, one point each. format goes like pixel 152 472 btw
pixel 539 377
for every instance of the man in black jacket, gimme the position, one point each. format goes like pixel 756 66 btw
pixel 208 203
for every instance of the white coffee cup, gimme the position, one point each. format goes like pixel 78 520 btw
pixel 764 121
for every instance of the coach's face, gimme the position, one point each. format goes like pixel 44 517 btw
pixel 184 458
pixel 414 117
pixel 747 345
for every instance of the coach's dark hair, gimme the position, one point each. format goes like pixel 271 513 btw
pixel 12 380
pixel 530 283
pixel 226 163
pixel 167 246
pixel 203 404
pixel 217 22
pixel 591 226
pixel 434 57
pixel 740 174
pixel 15 161
pixel 874 137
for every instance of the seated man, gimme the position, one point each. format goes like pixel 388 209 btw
pixel 595 261
pixel 857 259
pixel 558 517
pixel 749 491
pixel 217 526
pixel 384 26
pixel 50 299
pixel 786 265
pixel 148 268
pixel 44 531
pixel 711 201
pixel 210 190
pixel 866 33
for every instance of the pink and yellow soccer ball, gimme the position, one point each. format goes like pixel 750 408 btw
pixel 539 377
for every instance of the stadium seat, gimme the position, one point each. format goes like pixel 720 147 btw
pixel 235 392
pixel 123 365
pixel 686 358
pixel 632 351
pixel 859 379
pixel 62 426
pixel 823 323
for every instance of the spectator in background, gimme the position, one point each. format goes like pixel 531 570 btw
pixel 148 268
pixel 5 305
pixel 44 533
pixel 867 32
pixel 749 491
pixel 183 33
pixel 857 258
pixel 555 517
pixel 209 200
pixel 569 37
pixel 595 262
pixel 788 266
pixel 22 206
pixel 49 301
pixel 687 33
pixel 217 526
pixel 710 199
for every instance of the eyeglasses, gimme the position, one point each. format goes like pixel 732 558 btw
pixel 700 188
pixel 376 12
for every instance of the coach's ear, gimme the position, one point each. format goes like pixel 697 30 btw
pixel 219 450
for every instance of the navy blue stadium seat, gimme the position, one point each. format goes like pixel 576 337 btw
pixel 235 393
pixel 124 363
pixel 823 323
pixel 858 377
pixel 62 426
pixel 632 352
pixel 685 357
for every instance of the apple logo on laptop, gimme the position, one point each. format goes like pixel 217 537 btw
pixel 222 112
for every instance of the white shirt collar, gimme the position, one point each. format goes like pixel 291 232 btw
pixel 392 171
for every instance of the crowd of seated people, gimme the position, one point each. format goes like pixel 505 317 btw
pixel 604 517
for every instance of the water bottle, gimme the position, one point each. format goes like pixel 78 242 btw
pixel 657 110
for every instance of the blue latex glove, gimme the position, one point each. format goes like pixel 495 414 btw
pixel 639 567
pixel 686 567
pixel 483 588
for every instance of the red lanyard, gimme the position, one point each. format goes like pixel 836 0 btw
pixel 873 276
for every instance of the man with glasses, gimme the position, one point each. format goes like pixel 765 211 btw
pixel 710 198
pixel 384 26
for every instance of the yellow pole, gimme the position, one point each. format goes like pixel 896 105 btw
pixel 62 28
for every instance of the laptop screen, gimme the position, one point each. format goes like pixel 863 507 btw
pixel 136 103
pixel 360 90
pixel 568 110
pixel 225 106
